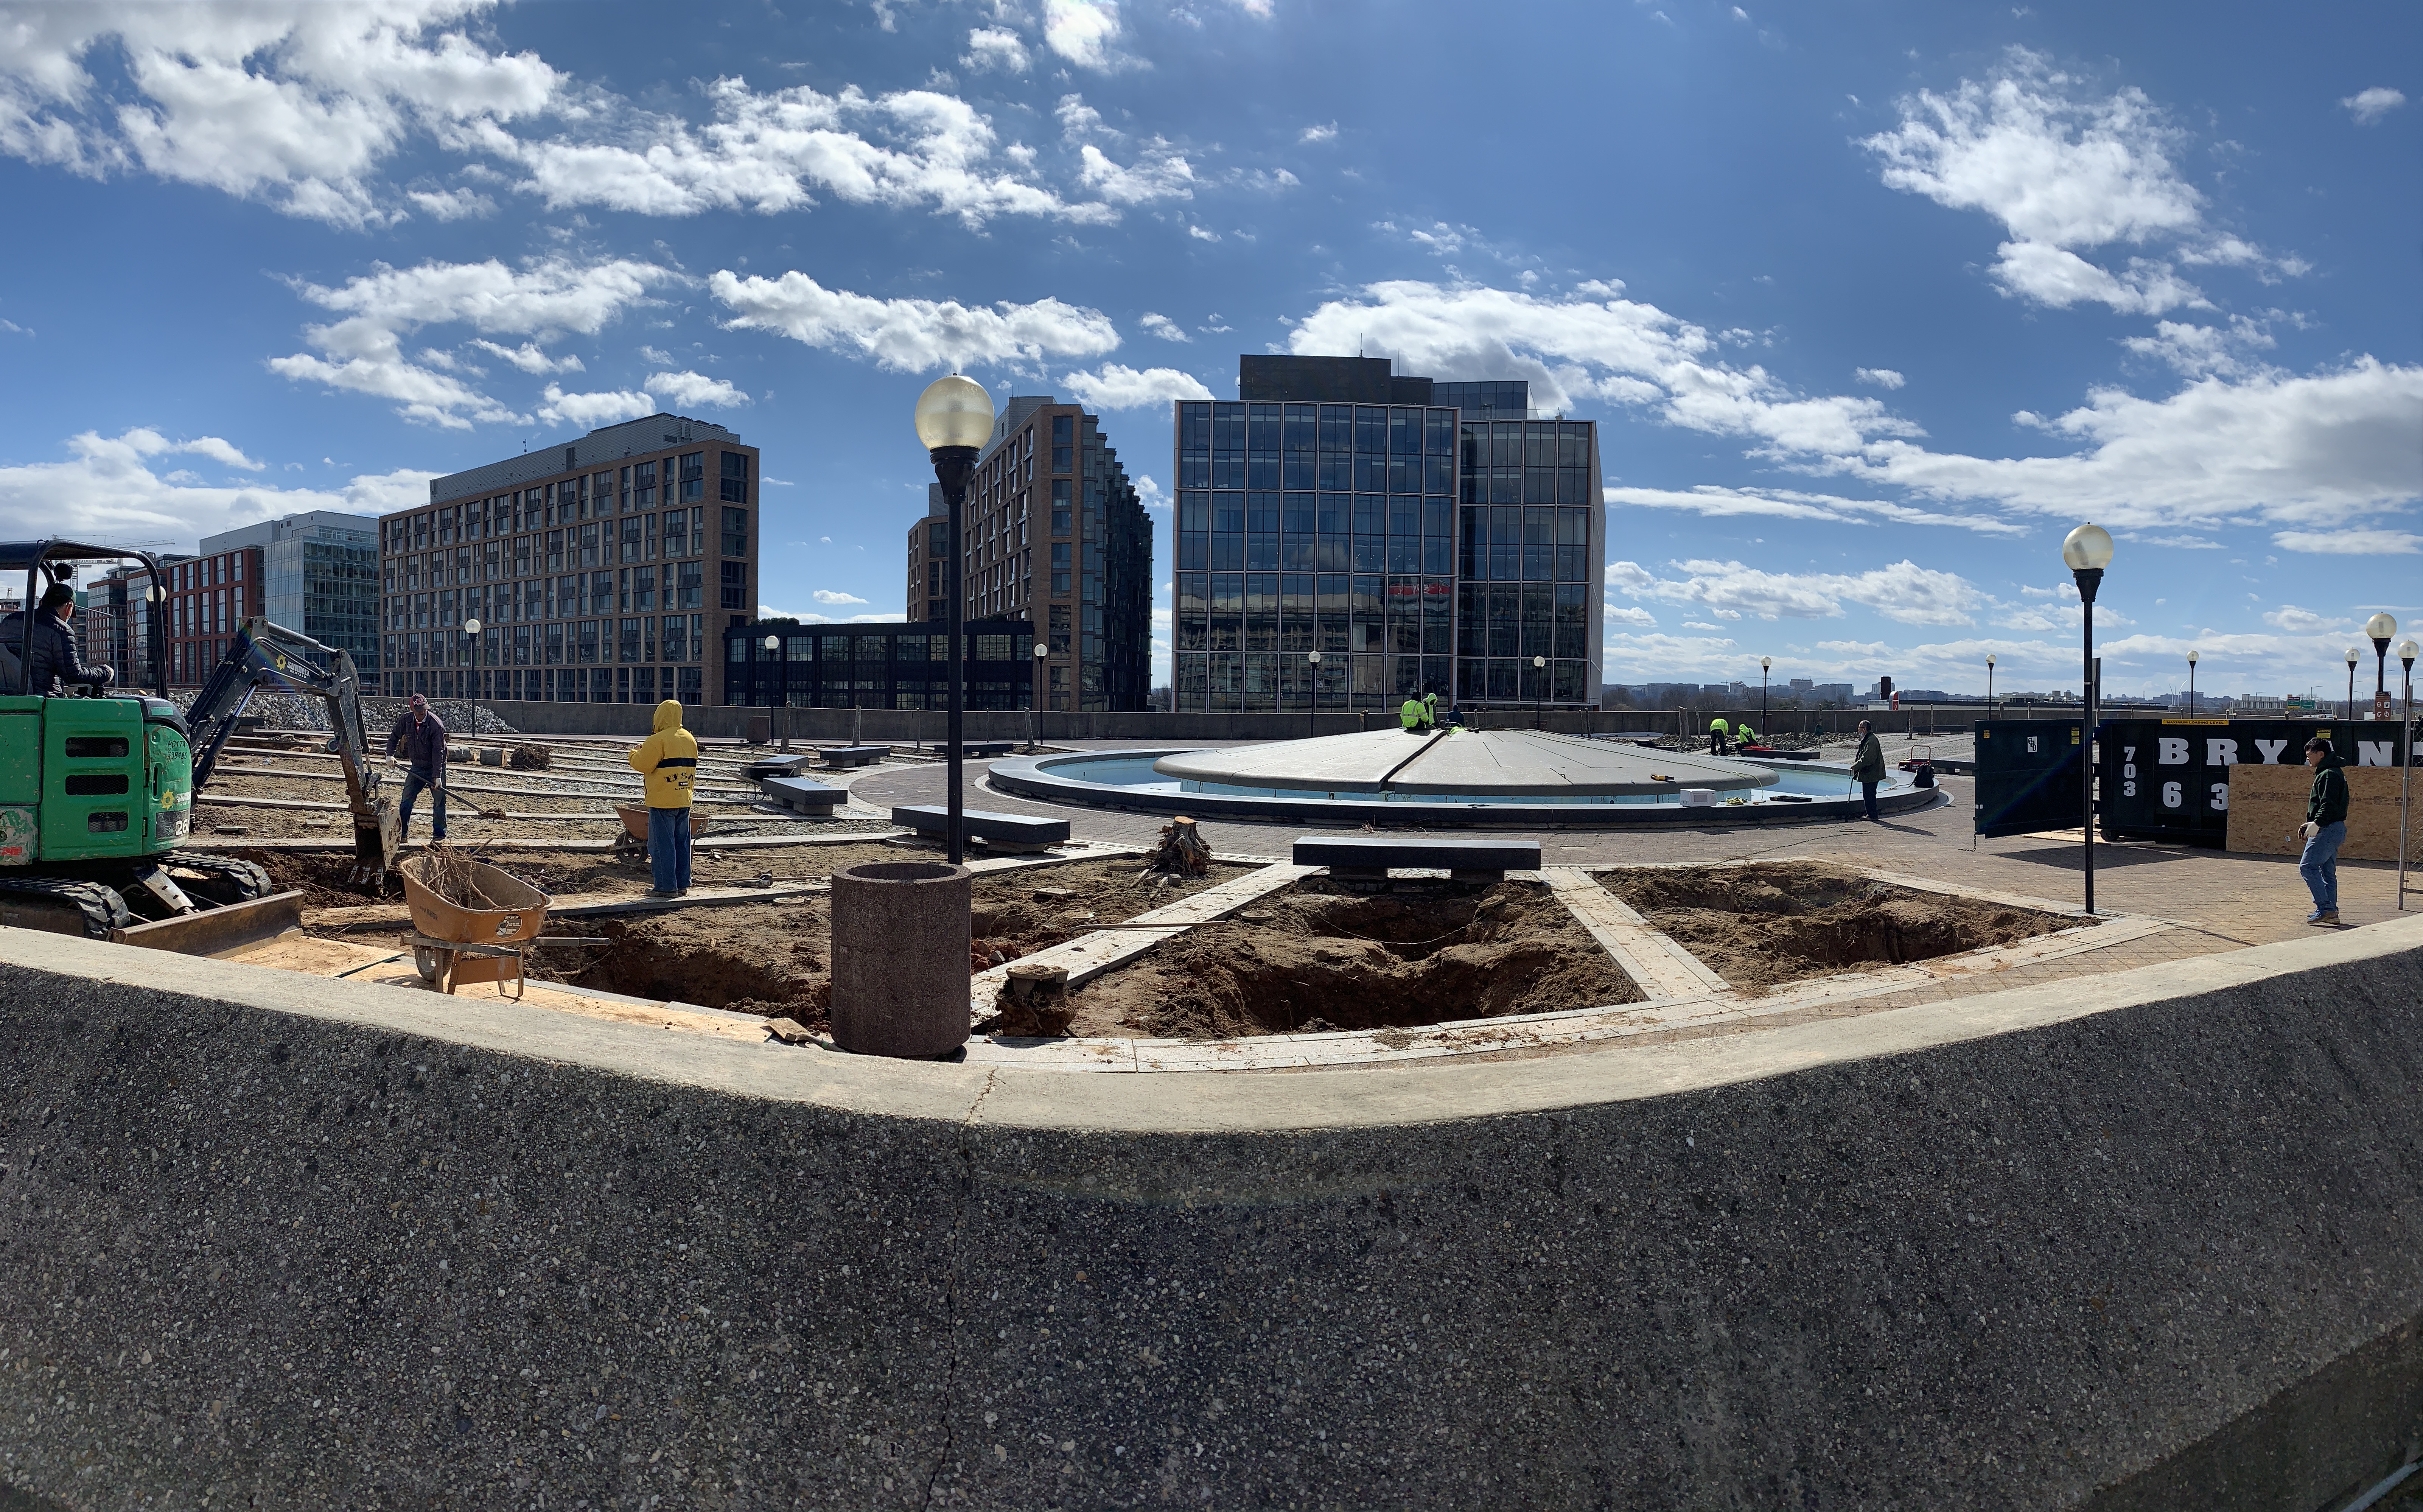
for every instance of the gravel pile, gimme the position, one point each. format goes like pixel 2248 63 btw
pixel 289 712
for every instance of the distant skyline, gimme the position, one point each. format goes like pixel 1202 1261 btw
pixel 1872 302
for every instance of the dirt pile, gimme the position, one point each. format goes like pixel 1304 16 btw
pixel 1331 955
pixel 1023 912
pixel 1775 922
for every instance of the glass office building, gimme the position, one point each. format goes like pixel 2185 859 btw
pixel 1420 537
pixel 890 664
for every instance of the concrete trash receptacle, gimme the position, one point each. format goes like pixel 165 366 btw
pixel 900 958
pixel 761 730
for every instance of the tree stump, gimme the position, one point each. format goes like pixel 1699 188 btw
pixel 1034 1001
pixel 1182 851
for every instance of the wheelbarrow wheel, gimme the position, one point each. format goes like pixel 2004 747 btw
pixel 425 961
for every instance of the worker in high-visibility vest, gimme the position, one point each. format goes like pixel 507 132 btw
pixel 1415 715
pixel 1718 729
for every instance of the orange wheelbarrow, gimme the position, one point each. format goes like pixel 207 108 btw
pixel 469 919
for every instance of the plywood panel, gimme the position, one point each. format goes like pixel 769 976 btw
pixel 2267 804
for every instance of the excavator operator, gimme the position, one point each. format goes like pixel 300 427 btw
pixel 55 646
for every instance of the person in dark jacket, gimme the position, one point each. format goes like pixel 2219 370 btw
pixel 55 646
pixel 1868 769
pixel 2325 830
pixel 422 736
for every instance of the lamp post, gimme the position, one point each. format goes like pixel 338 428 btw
pixel 1989 684
pixel 2380 628
pixel 2406 768
pixel 2087 551
pixel 1312 696
pixel 1035 699
pixel 471 628
pixel 2353 656
pixel 954 417
pixel 2193 656
pixel 1764 664
pixel 1539 691
pixel 773 643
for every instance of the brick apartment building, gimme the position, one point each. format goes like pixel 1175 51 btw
pixel 604 570
pixel 1055 534
pixel 208 597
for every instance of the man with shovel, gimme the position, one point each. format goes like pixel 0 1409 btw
pixel 422 736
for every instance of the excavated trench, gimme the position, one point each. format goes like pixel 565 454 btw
pixel 1775 922
pixel 775 959
pixel 1342 955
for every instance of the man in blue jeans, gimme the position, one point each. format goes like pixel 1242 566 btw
pixel 667 758
pixel 422 736
pixel 2325 830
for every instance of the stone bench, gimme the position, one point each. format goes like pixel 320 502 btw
pixel 1367 856
pixel 982 749
pixel 783 766
pixel 999 832
pixel 854 756
pixel 803 795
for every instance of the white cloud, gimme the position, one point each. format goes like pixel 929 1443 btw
pixel 1160 174
pixel 1627 615
pixel 831 597
pixel 2199 351
pixel 1905 591
pixel 286 101
pixel 1163 327
pixel 590 410
pixel 995 47
pixel 695 390
pixel 1148 492
pixel 544 298
pixel 656 355
pixel 1719 502
pixel 1881 377
pixel 911 335
pixel 2282 448
pixel 527 358
pixel 2350 543
pixel 2303 622
pixel 771 153
pixel 1083 31
pixel 107 490
pixel 1200 235
pixel 1605 347
pixel 1327 132
pixel 2063 170
pixel 453 205
pixel 1124 387
pixel 2370 106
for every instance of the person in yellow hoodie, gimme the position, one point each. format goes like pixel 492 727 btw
pixel 668 759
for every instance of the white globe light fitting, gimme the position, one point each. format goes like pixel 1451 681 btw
pixel 2352 656
pixel 471 626
pixel 1765 663
pixel 2408 651
pixel 1041 650
pixel 1989 658
pixel 2381 627
pixel 954 411
pixel 2194 656
pixel 1313 657
pixel 773 643
pixel 1538 661
pixel 2087 548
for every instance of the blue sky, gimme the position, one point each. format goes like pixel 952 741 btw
pixel 1873 301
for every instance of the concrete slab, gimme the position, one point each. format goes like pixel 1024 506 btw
pixel 1504 763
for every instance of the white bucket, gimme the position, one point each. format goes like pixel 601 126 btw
pixel 1699 797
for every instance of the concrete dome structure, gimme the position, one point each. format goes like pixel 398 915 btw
pixel 1465 764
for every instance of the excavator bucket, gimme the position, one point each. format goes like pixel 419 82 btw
pixel 376 842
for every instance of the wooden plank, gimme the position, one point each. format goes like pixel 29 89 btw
pixel 2267 803
pixel 1655 963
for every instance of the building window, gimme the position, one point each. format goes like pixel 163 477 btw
pixel 736 585
pixel 734 481
pixel 691 587
pixel 693 477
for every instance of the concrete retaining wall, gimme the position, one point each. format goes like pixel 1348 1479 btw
pixel 316 1244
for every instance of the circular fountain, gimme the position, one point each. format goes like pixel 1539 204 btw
pixel 1525 779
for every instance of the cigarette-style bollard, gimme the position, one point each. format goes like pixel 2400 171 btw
pixel 900 958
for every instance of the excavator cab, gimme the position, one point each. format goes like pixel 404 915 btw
pixel 97 783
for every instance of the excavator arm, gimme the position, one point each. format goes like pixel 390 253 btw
pixel 267 655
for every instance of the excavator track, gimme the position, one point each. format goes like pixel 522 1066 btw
pixel 103 912
pixel 242 880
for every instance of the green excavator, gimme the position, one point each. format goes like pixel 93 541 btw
pixel 97 783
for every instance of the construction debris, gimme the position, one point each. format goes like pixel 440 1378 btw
pixel 531 757
pixel 1034 1001
pixel 1182 851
